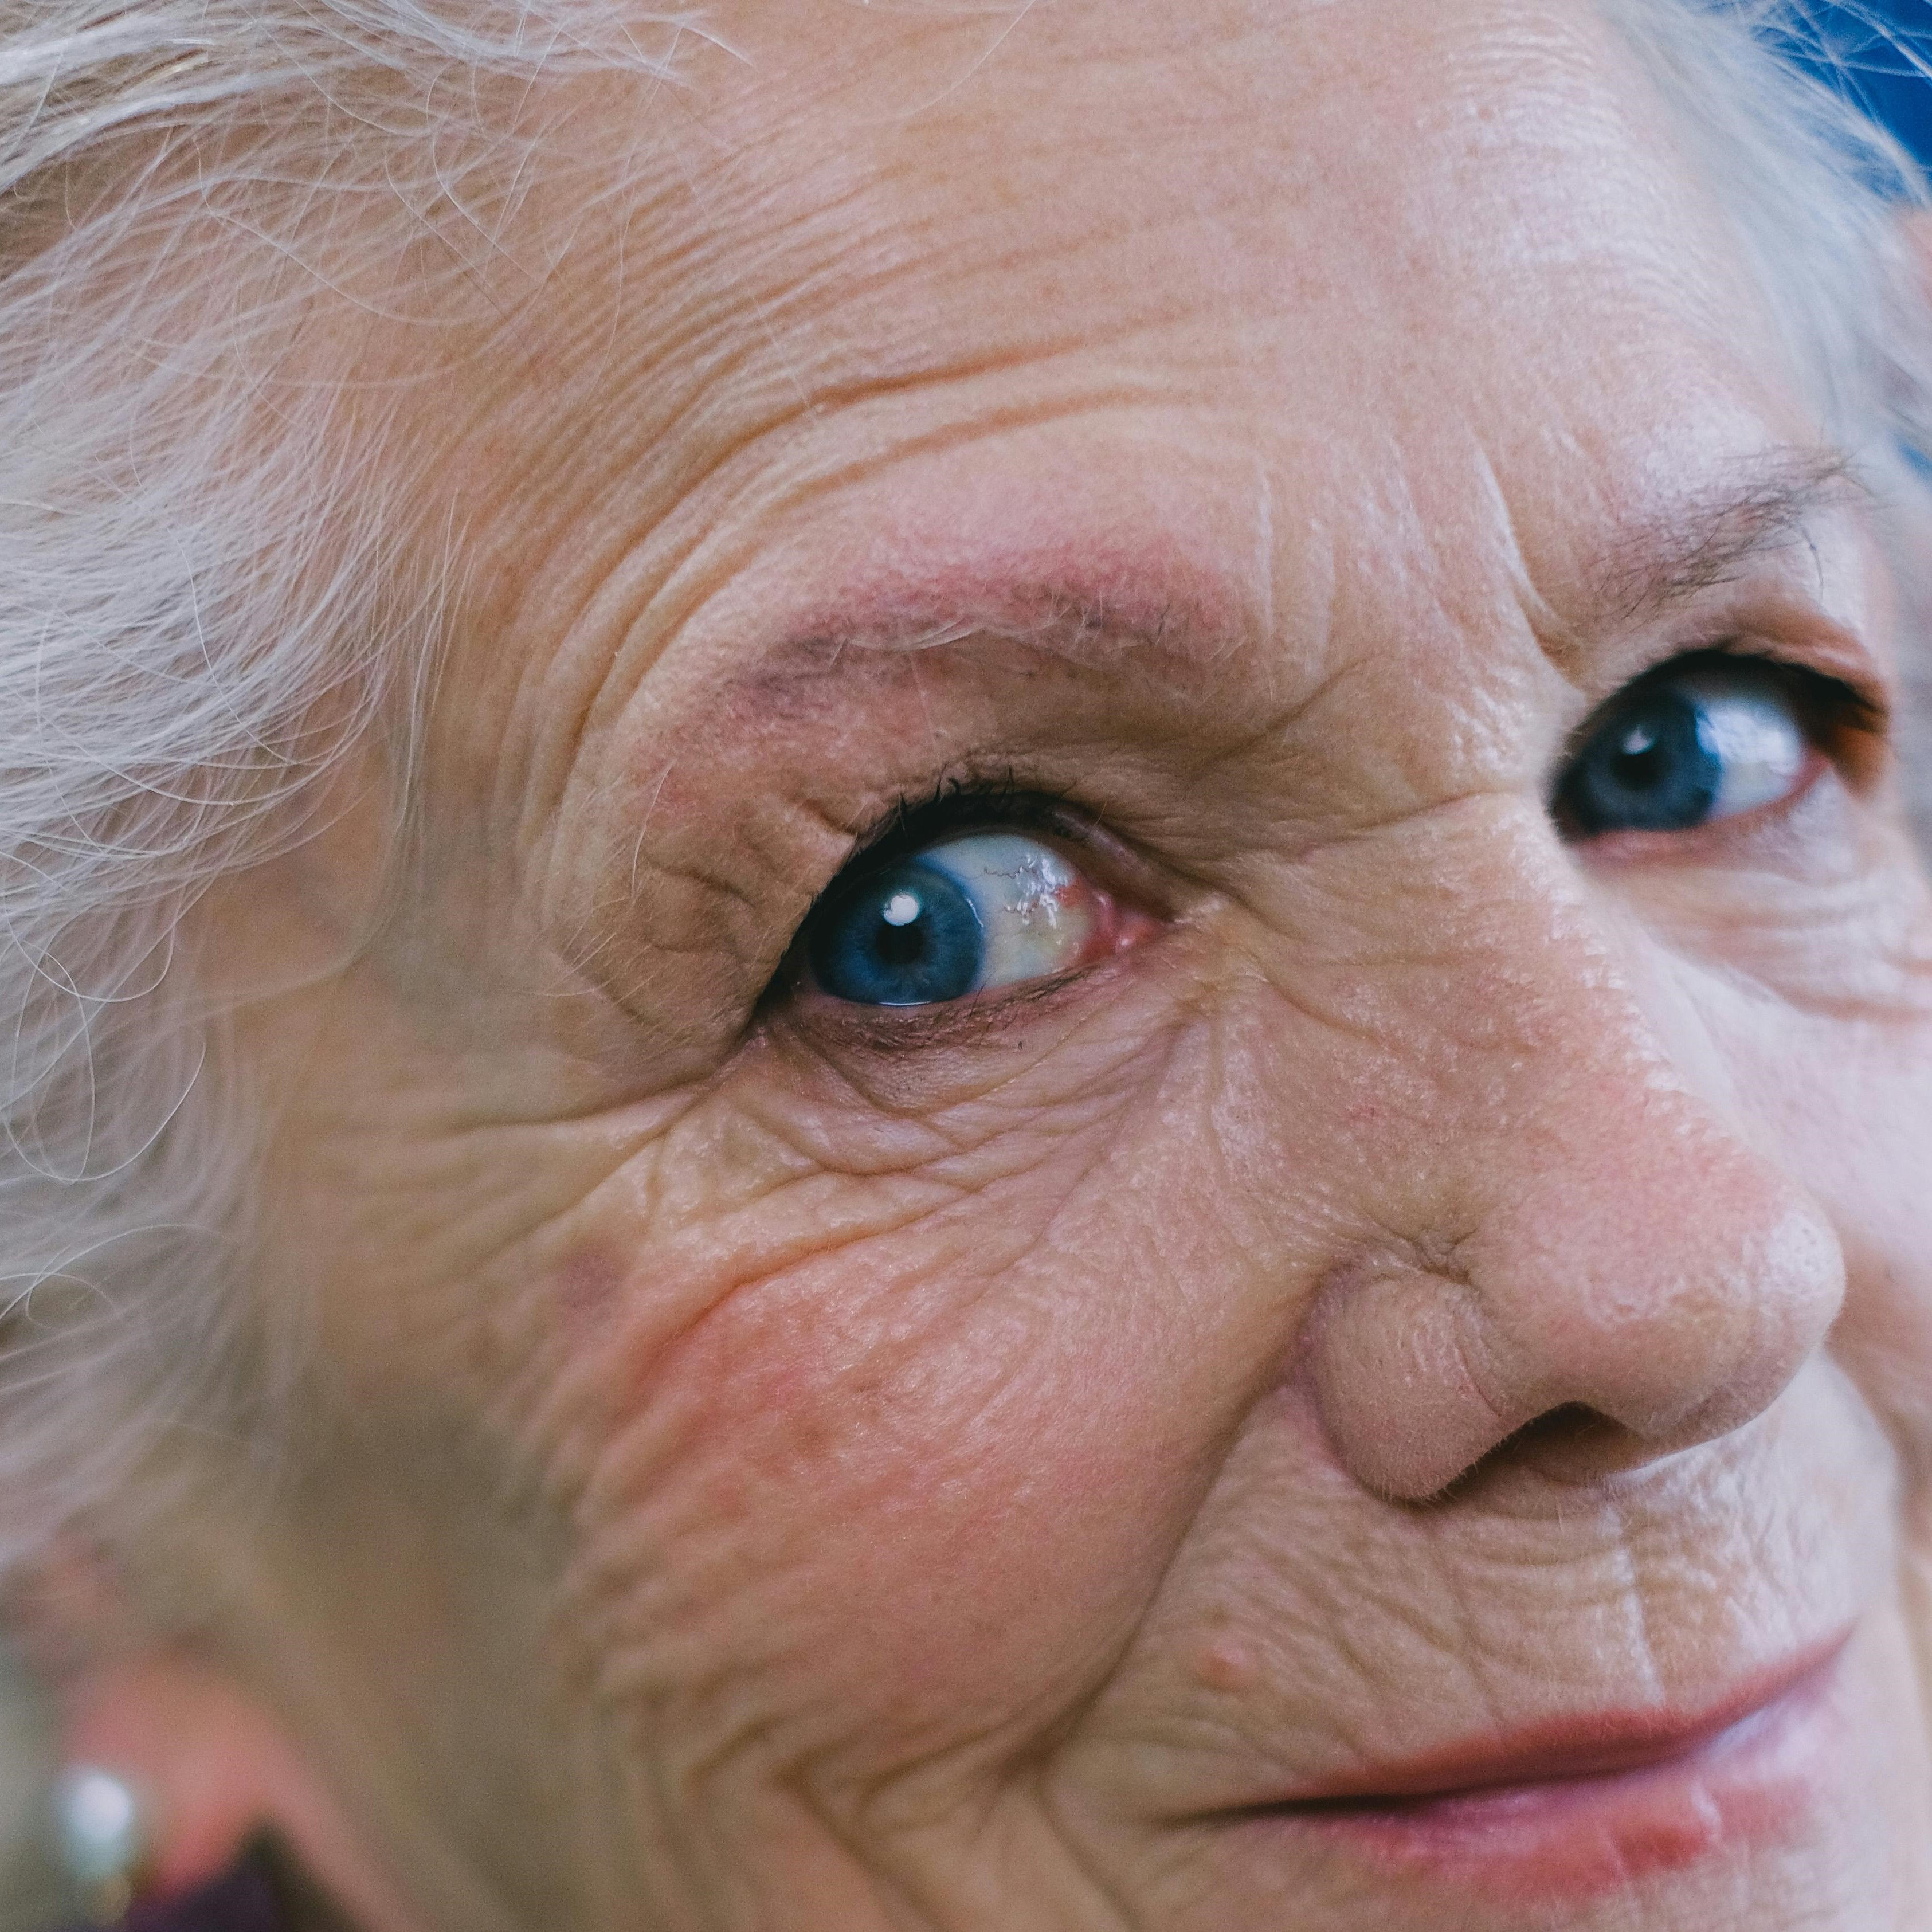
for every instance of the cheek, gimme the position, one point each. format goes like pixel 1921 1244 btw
pixel 905 1486
pixel 1848 1106
pixel 882 1504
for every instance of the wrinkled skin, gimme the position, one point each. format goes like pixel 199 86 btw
pixel 771 1463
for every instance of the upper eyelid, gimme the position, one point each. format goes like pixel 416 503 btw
pixel 1869 696
pixel 985 797
pixel 1866 703
pixel 960 804
pixel 1772 622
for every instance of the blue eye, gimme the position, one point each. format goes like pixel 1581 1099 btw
pixel 907 937
pixel 1684 751
pixel 965 916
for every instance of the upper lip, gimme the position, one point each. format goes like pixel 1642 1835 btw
pixel 1593 1744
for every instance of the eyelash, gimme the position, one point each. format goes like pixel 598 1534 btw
pixel 969 801
pixel 1841 721
pixel 1846 723
pixel 1833 710
pixel 1820 691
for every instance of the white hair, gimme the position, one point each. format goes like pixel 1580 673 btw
pixel 196 625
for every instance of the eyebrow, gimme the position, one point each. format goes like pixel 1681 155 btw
pixel 1079 627
pixel 1704 540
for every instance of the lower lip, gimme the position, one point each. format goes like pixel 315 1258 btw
pixel 1567 1839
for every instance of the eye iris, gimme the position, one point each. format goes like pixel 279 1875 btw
pixel 1654 769
pixel 908 937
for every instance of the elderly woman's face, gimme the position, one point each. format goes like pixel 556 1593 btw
pixel 1145 1147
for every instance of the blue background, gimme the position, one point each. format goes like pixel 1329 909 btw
pixel 1876 73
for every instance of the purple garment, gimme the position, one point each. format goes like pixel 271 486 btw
pixel 243 1901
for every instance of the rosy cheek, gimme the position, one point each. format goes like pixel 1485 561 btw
pixel 882 1504
pixel 856 1449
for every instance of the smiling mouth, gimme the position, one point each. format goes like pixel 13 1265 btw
pixel 1574 1807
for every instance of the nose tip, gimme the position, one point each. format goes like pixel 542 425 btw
pixel 1671 1287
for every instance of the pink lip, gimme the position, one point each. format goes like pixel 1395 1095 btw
pixel 1580 1806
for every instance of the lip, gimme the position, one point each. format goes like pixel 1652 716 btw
pixel 1579 1806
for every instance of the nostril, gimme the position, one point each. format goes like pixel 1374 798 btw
pixel 1572 1441
pixel 1558 1428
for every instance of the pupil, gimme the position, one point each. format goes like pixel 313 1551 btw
pixel 1653 769
pixel 902 940
pixel 908 936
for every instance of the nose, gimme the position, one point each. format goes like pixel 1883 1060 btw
pixel 1584 1233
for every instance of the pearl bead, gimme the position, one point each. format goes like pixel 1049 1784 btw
pixel 100 1836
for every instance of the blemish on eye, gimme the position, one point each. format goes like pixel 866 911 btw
pixel 1041 891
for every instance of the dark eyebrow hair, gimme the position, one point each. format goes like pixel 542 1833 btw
pixel 1705 538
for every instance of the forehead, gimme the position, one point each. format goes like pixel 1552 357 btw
pixel 1108 299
